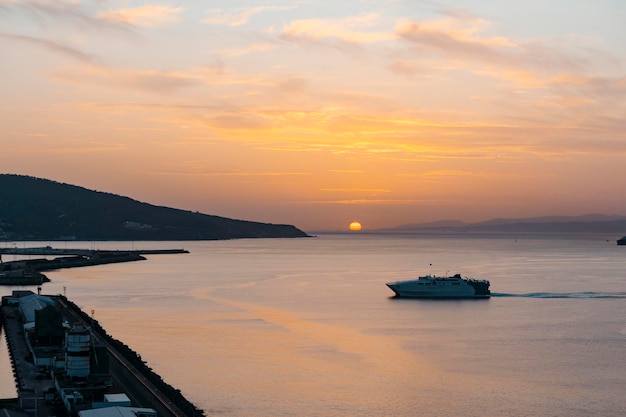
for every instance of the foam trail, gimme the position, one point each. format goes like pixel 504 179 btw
pixel 564 295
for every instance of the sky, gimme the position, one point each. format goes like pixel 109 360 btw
pixel 321 113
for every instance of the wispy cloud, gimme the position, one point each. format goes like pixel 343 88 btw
pixel 63 15
pixel 248 49
pixel 369 201
pixel 595 86
pixel 159 82
pixel 80 146
pixel 353 30
pixel 50 45
pixel 196 168
pixel 459 37
pixel 145 16
pixel 238 17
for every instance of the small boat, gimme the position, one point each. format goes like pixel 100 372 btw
pixel 430 286
pixel 621 241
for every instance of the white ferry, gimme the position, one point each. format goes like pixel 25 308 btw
pixel 430 286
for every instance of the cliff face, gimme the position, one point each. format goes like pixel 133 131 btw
pixel 39 209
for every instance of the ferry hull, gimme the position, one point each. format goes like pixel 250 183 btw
pixel 432 296
pixel 441 288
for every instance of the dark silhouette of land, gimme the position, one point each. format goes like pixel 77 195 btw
pixel 586 224
pixel 40 209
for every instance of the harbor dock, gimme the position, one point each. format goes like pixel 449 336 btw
pixel 64 363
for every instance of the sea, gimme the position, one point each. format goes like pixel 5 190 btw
pixel 307 327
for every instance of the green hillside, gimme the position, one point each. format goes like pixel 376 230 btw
pixel 39 209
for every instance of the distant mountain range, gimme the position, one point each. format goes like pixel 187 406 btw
pixel 586 224
pixel 40 209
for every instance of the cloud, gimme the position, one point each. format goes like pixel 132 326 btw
pixel 161 82
pixel 449 43
pixel 146 16
pixel 459 37
pixel 408 67
pixel 352 30
pixel 248 49
pixel 237 121
pixel 202 169
pixel 597 87
pixel 51 46
pixel 67 147
pixel 239 17
pixel 65 14
pixel 545 73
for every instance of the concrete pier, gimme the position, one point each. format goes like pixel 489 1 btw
pixel 38 390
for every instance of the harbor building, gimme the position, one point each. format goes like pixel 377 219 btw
pixel 59 362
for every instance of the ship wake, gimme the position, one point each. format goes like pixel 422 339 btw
pixel 564 295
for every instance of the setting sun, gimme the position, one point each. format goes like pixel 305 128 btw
pixel 355 226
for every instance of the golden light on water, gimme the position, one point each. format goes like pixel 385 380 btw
pixel 355 226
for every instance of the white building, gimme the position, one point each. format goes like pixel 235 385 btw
pixel 118 412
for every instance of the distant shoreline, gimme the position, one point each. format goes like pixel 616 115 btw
pixel 612 237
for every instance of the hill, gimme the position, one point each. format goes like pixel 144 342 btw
pixel 40 209
pixel 586 224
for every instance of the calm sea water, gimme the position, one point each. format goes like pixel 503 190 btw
pixel 306 327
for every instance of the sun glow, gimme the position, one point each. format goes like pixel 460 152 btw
pixel 355 226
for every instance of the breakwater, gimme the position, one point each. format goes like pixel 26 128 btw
pixel 29 271
pixel 7 402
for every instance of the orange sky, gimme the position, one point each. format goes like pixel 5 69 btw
pixel 322 113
